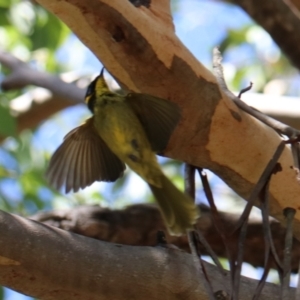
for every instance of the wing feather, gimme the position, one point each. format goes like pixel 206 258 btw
pixel 82 159
pixel 158 116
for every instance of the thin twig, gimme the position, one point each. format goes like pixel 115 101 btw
pixel 239 261
pixel 228 241
pixel 189 184
pixel 266 225
pixel 189 180
pixel 295 153
pixel 246 89
pixel 263 279
pixel 296 157
pixel 264 196
pixel 198 263
pixel 260 184
pixel 214 211
pixel 201 239
pixel 265 220
pixel 216 219
pixel 289 214
pixel 241 226
pixel 232 252
pixel 276 125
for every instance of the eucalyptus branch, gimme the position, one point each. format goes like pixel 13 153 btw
pixel 22 75
pixel 63 94
pixel 118 226
pixel 276 125
pixel 85 267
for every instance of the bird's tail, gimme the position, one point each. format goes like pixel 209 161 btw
pixel 179 211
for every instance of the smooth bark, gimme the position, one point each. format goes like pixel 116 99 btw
pixel 49 263
pixel 138 225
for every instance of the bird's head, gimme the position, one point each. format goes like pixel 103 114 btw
pixel 95 89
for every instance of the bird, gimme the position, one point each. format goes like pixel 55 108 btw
pixel 123 129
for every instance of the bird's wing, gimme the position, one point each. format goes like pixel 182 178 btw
pixel 82 159
pixel 158 117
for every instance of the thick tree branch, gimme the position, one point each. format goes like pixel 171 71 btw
pixel 43 262
pixel 296 3
pixel 22 75
pixel 280 19
pixel 62 96
pixel 144 54
pixel 39 112
pixel 41 109
pixel 138 225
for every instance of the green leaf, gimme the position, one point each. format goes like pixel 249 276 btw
pixel 7 122
pixel 5 3
pixel 49 32
pixel 5 204
pixel 4 173
pixel 234 38
pixel 3 16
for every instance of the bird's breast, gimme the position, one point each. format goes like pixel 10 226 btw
pixel 123 133
pixel 120 128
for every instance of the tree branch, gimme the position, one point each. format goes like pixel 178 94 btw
pixel 279 127
pixel 22 75
pixel 104 270
pixel 138 225
pixel 41 109
pixel 144 54
pixel 63 94
pixel 280 19
pixel 296 3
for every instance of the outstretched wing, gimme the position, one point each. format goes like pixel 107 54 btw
pixel 82 159
pixel 158 117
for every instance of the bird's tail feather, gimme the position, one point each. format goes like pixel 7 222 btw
pixel 179 211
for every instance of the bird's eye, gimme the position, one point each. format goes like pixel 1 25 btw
pixel 91 88
pixel 89 91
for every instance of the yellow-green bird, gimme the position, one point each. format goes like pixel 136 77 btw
pixel 123 129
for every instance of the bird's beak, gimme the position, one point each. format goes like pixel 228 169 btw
pixel 101 72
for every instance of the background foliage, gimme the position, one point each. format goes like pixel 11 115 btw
pixel 40 39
